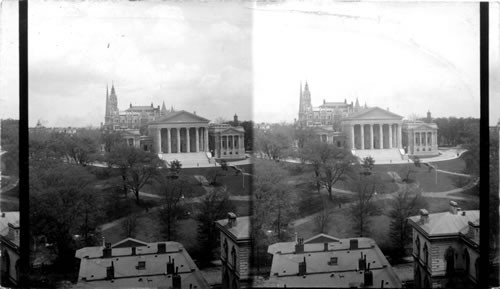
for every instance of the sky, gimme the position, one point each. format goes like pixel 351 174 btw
pixel 192 56
pixel 408 57
pixel 219 59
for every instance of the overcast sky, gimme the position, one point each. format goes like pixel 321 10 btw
pixel 221 58
pixel 410 57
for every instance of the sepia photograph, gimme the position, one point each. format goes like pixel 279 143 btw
pixel 250 144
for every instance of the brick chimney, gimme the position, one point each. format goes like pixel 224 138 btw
pixel 368 277
pixel 170 265
pixel 299 247
pixel 453 207
pixel 353 244
pixel 231 219
pixel 110 272
pixel 362 262
pixel 302 267
pixel 162 248
pixel 106 252
pixel 424 216
pixel 176 279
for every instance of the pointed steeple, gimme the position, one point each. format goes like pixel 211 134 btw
pixel 107 102
pixel 356 106
pixel 172 108
pixel 163 109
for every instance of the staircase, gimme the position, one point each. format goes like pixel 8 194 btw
pixel 381 156
pixel 188 160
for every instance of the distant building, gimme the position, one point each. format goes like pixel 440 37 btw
pixel 9 246
pixel 236 248
pixel 131 263
pixel 446 248
pixel 367 131
pixel 325 261
pixel 174 135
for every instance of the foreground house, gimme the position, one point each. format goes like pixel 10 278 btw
pixel 446 248
pixel 131 263
pixel 9 246
pixel 325 261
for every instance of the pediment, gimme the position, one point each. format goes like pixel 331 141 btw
pixel 232 130
pixel 375 113
pixel 424 126
pixel 181 117
pixel 129 242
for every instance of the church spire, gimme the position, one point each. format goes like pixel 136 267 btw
pixel 356 106
pixel 163 109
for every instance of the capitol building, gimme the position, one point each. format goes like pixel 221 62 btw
pixel 368 131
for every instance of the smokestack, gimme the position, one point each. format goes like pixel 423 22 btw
pixel 424 216
pixel 453 207
pixel 176 279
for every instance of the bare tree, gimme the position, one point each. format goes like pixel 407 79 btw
pixel 174 191
pixel 363 207
pixel 130 225
pixel 322 220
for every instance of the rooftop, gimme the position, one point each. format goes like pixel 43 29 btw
pixel 239 229
pixel 447 223
pixel 330 264
pixel 138 264
pixel 5 219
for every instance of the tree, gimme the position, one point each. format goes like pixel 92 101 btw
pixel 173 191
pixel 410 170
pixel 407 202
pixel 111 139
pixel 137 167
pixel 363 207
pixel 80 149
pixel 368 163
pixel 130 225
pixel 214 206
pixel 223 165
pixel 322 220
pixel 274 143
pixel 175 167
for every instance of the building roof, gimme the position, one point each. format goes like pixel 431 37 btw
pixel 321 271
pixel 94 266
pixel 447 223
pixel 374 113
pixel 239 231
pixel 5 219
pixel 419 125
pixel 180 116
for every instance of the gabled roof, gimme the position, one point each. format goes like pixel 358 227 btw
pixel 239 231
pixel 233 130
pixel 446 223
pixel 420 125
pixel 129 242
pixel 321 238
pixel 7 218
pixel 374 113
pixel 180 116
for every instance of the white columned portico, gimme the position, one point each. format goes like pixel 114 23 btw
pixel 390 135
pixel 352 137
pixel 381 136
pixel 158 140
pixel 178 139
pixel 197 140
pixel 205 141
pixel 169 135
pixel 362 136
pixel 188 143
pixel 400 136
pixel 371 137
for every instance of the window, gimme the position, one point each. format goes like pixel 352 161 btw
pixel 233 257
pixel 225 248
pixel 467 261
pixel 426 254
pixel 417 247
pixel 141 265
pixel 333 261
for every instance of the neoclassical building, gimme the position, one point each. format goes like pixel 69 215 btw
pixel 367 131
pixel 174 135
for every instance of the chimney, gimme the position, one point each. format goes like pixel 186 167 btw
pixel 453 207
pixel 231 219
pixel 170 266
pixel 133 251
pixel 106 252
pixel 302 267
pixel 110 272
pixel 362 262
pixel 162 248
pixel 424 216
pixel 299 247
pixel 325 246
pixel 3 215
pixel 353 244
pixel 176 279
pixel 368 280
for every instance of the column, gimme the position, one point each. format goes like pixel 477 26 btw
pixel 158 140
pixel 352 137
pixel 400 137
pixel 179 147
pixel 197 139
pixel 371 137
pixel 169 135
pixel 390 136
pixel 362 136
pixel 381 136
pixel 234 148
pixel 188 145
pixel 205 141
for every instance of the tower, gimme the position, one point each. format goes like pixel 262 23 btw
pixel 429 118
pixel 356 106
pixel 112 112
pixel 305 103
pixel 163 109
